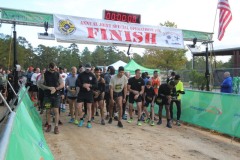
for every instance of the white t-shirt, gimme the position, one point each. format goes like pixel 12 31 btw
pixel 64 77
pixel 34 78
pixel 118 83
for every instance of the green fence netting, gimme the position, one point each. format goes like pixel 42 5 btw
pixel 27 140
pixel 215 111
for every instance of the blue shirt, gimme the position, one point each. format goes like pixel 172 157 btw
pixel 226 86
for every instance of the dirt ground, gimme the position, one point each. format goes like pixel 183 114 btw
pixel 138 142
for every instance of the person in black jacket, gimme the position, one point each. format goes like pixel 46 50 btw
pixel 164 98
pixel 86 82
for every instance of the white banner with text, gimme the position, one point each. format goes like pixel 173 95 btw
pixel 104 32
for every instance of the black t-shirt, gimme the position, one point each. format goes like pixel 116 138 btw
pixel 136 84
pixel 149 93
pixel 86 77
pixel 164 90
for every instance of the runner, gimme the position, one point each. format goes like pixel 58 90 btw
pixel 118 84
pixel 136 89
pixel 149 98
pixel 51 83
pixel 164 98
pixel 107 78
pixel 179 90
pixel 72 95
pixel 86 81
pixel 63 97
pixel 155 81
pixel 99 95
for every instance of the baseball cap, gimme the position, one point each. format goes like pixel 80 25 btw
pixel 121 68
pixel 173 74
pixel 88 66
pixel 177 77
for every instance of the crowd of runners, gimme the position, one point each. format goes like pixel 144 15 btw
pixel 91 92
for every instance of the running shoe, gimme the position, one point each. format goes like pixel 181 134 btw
pixel 139 123
pixel 89 125
pixel 159 122
pixel 56 131
pixel 142 118
pixel 49 128
pixel 120 124
pixel 130 120
pixel 76 122
pixel 110 121
pixel 92 119
pixel 71 120
pixel 152 123
pixel 169 125
pixel 178 123
pixel 124 117
pixel 102 122
pixel 81 123
pixel 147 120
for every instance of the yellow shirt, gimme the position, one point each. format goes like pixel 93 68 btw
pixel 179 86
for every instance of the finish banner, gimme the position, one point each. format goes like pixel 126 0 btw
pixel 104 32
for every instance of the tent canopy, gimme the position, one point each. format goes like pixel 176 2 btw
pixel 117 64
pixel 132 66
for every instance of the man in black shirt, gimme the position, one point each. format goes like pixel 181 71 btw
pixel 136 90
pixel 51 82
pixel 164 98
pixel 86 82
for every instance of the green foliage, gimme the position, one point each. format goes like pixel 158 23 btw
pixel 198 80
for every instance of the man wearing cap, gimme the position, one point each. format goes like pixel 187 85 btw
pixel 51 82
pixel 87 82
pixel 176 97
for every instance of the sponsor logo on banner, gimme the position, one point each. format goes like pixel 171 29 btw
pixel 172 38
pixel 66 27
pixel 237 115
pixel 211 109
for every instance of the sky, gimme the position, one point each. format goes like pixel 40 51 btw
pixel 196 15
